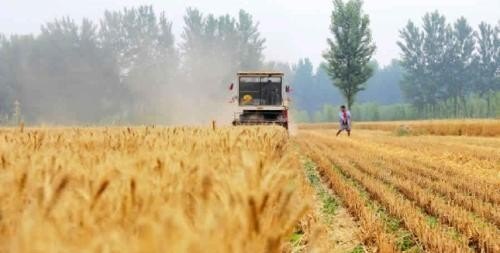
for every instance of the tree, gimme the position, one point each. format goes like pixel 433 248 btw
pixel 283 67
pixel 5 89
pixel 413 61
pixel 303 85
pixel 69 79
pixel 447 66
pixel 126 68
pixel 487 61
pixel 215 48
pixel 436 45
pixel 460 63
pixel 351 48
pixel 210 54
pixel 425 58
pixel 324 91
pixel 192 46
pixel 142 46
pixel 16 54
pixel 311 87
pixel 251 45
pixel 383 87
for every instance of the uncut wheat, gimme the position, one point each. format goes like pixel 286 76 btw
pixel 148 190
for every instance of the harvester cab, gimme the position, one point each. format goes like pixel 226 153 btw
pixel 261 99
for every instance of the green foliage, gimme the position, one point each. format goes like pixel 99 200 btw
pixel 351 48
pixel 460 64
pixel 329 203
pixel 311 87
pixel 296 238
pixel 432 221
pixel 393 224
pixel 496 101
pixel 444 64
pixel 358 249
pixel 303 84
pixel 215 48
pixel 141 44
pixel 383 86
pixel 406 242
pixel 420 88
pixel 474 106
pixel 251 43
pixel 126 68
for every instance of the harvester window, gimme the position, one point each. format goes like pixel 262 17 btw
pixel 260 91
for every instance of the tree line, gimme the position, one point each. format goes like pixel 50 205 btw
pixel 447 64
pixel 127 67
pixel 312 88
pixel 445 71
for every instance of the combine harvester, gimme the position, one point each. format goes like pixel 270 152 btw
pixel 261 99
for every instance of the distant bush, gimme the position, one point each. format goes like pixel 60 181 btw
pixel 473 106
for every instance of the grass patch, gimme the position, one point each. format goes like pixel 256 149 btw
pixel 329 204
pixel 358 249
pixel 296 241
pixel 296 237
pixel 432 221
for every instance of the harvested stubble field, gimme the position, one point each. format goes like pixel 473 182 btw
pixel 414 193
pixel 469 127
pixel 249 189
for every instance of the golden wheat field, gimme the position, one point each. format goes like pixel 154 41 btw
pixel 469 127
pixel 248 189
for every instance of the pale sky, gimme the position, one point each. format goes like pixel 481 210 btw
pixel 293 28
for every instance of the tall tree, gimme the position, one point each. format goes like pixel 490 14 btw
pixel 125 68
pixel 383 87
pixel 303 85
pixel 425 57
pixel 436 45
pixel 497 32
pixel 413 61
pixel 325 92
pixel 487 61
pixel 350 49
pixel 143 49
pixel 15 66
pixel 284 67
pixel 460 63
pixel 57 86
pixel 5 89
pixel 209 52
pixel 217 47
pixel 192 41
pixel 311 88
pixel 251 44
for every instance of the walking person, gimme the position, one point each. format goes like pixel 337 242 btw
pixel 345 120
